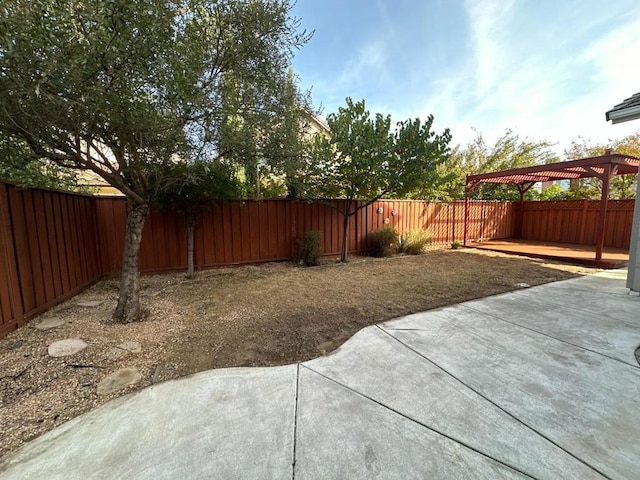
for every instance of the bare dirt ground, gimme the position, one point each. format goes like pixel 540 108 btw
pixel 246 316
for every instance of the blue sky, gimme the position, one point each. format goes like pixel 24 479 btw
pixel 545 69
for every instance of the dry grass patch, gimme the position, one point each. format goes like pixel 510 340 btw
pixel 266 315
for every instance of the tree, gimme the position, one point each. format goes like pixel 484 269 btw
pixel 195 188
pixel 364 160
pixel 509 151
pixel 268 146
pixel 125 88
pixel 621 186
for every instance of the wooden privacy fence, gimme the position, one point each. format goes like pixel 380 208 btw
pixel 260 231
pixel 48 251
pixel 575 221
pixel 54 244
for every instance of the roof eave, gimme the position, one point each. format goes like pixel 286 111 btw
pixel 623 115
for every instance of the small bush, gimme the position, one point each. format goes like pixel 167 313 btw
pixel 310 250
pixel 402 243
pixel 384 242
pixel 416 242
pixel 456 244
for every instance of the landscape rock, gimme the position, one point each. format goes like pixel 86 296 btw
pixel 115 353
pixel 90 303
pixel 117 380
pixel 164 373
pixel 133 347
pixel 63 348
pixel 49 323
pixel 123 349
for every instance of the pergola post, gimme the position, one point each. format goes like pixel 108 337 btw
pixel 602 217
pixel 633 272
pixel 466 217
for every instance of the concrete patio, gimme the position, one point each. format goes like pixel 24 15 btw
pixel 539 383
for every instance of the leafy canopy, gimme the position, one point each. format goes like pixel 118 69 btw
pixel 364 159
pixel 509 151
pixel 124 87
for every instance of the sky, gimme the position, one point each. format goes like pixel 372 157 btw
pixel 548 70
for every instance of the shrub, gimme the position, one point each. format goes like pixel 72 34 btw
pixel 456 244
pixel 310 251
pixel 416 242
pixel 384 242
pixel 402 243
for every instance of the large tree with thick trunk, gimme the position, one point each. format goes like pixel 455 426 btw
pixel 126 87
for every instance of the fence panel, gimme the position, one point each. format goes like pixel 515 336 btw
pixel 576 221
pixel 48 250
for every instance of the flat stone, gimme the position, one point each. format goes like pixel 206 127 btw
pixel 133 347
pixel 116 353
pixel 49 323
pixel 90 303
pixel 118 380
pixel 163 373
pixel 63 348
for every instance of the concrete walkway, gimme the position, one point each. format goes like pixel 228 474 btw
pixel 539 383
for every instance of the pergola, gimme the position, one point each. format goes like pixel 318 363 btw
pixel 602 167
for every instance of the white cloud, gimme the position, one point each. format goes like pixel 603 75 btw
pixel 489 39
pixel 369 62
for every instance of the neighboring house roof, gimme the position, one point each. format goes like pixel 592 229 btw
pixel 97 185
pixel 625 111
pixel 319 125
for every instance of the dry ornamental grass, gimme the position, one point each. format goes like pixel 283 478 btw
pixel 271 314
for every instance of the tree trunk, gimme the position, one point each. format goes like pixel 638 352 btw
pixel 345 231
pixel 128 308
pixel 191 227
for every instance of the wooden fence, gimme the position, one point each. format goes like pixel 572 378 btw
pixel 48 251
pixel 261 231
pixel 575 221
pixel 53 244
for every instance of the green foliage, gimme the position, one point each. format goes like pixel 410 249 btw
pixel 18 166
pixel 310 250
pixel 621 186
pixel 456 244
pixel 383 242
pixel 268 145
pixel 193 188
pixel 510 151
pixel 554 192
pixel 414 242
pixel 124 88
pixel 364 159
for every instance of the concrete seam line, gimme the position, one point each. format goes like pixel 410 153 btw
pixel 493 315
pixel 502 409
pixel 295 424
pixel 413 420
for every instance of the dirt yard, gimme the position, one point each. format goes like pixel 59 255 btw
pixel 253 315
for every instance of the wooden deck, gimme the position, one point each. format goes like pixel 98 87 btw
pixel 564 252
